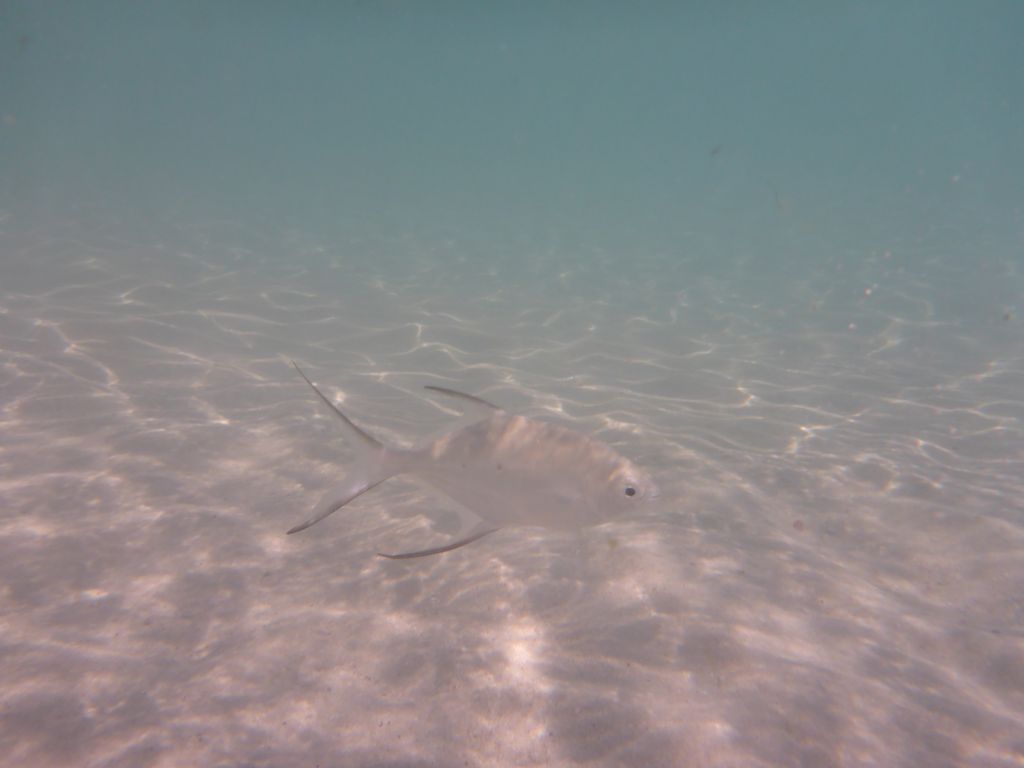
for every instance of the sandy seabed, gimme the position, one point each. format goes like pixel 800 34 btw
pixel 833 575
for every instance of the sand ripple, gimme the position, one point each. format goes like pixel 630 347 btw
pixel 834 576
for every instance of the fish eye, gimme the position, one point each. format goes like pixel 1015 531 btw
pixel 630 490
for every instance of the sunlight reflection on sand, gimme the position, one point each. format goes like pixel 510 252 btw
pixel 833 577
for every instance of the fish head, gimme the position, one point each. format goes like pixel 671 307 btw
pixel 626 490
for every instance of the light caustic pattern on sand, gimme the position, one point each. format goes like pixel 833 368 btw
pixel 834 576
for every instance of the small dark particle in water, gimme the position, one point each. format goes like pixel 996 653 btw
pixel 1007 316
pixel 612 543
pixel 782 204
pixel 798 525
pixel 717 148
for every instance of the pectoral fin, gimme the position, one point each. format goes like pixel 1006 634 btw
pixel 438 550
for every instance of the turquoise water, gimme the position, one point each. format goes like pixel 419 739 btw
pixel 771 252
pixel 644 124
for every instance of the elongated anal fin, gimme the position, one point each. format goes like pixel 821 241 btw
pixel 479 401
pixel 438 550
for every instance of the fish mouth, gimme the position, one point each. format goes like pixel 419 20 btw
pixel 653 491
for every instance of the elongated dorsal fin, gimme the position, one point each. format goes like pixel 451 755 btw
pixel 365 440
pixel 479 401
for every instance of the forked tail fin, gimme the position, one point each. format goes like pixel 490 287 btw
pixel 374 464
pixel 359 438
pixel 356 484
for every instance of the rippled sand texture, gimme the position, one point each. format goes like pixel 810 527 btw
pixel 834 577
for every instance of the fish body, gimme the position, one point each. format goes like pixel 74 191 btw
pixel 512 470
pixel 507 470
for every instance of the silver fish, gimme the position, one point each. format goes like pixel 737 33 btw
pixel 506 470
